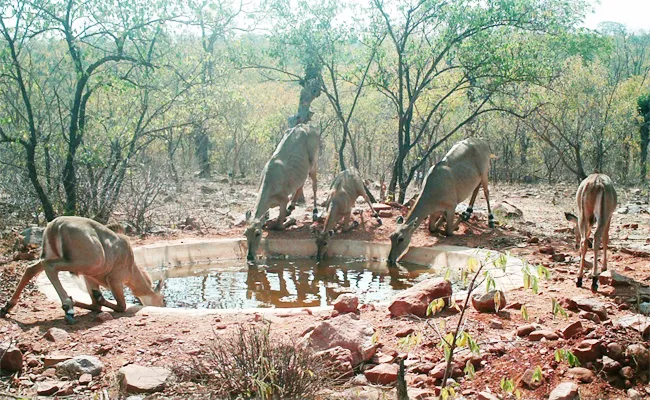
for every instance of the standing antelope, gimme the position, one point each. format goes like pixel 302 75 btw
pixel 284 174
pixel 344 191
pixel 104 258
pixel 462 171
pixel 596 200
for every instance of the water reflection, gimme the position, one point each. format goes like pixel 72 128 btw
pixel 285 283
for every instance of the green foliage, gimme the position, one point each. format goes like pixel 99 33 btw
pixel 448 392
pixel 524 312
pixel 568 356
pixel 557 309
pixel 409 342
pixel 508 386
pixel 537 374
pixel 435 306
pixel 469 370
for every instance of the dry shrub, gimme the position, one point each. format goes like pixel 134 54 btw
pixel 250 365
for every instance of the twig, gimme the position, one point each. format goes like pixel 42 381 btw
pixel 458 327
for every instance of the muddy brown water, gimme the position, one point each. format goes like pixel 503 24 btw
pixel 278 283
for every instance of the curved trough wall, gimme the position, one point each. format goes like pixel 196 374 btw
pixel 158 256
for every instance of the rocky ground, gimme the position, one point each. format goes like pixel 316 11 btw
pixel 114 355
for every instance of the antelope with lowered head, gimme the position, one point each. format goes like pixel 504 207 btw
pixel 294 159
pixel 104 258
pixel 344 191
pixel 462 171
pixel 596 200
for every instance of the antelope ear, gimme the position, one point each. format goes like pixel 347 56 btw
pixel 159 286
pixel 248 215
pixel 400 220
pixel 570 217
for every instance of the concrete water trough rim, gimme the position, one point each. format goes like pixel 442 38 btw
pixel 169 254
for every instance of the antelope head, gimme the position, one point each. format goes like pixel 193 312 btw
pixel 253 235
pixel 400 239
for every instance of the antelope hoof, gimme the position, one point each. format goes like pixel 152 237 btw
pixel 379 221
pixel 579 282
pixel 594 284
pixel 290 209
pixel 491 221
pixel 69 318
pixel 355 224
pixel 314 215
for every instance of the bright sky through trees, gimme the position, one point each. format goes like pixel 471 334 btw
pixel 632 13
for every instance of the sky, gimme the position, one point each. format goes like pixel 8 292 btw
pixel 635 14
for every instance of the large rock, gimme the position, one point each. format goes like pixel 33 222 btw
pixel 615 351
pixel 382 374
pixel 337 362
pixel 584 375
pixel 613 278
pixel 33 236
pixel 47 388
pixel 57 335
pixel 438 372
pixel 345 331
pixel 564 391
pixel 543 333
pixel 610 365
pixel 80 365
pixel 346 303
pixel 485 302
pixel 572 330
pixel 592 305
pixel 588 350
pixel 12 359
pixel 417 298
pixel 639 353
pixel 507 210
pixel 139 379
pixel 528 381
pixel 526 330
pixel 51 360
pixel 639 323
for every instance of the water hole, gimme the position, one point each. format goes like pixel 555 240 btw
pixel 284 283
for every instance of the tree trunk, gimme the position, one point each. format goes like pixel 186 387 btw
pixel 202 152
pixel 70 182
pixel 311 89
pixel 645 140
pixel 33 177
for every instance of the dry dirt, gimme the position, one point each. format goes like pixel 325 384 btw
pixel 169 341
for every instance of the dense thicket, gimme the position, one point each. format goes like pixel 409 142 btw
pixel 107 97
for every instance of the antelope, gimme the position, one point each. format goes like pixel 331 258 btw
pixel 283 175
pixel 344 191
pixel 462 171
pixel 104 258
pixel 596 200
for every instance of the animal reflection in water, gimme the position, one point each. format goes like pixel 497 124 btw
pixel 285 283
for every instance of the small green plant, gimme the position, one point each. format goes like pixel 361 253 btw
pixel 489 281
pixel 508 386
pixel 537 374
pixel 524 312
pixel 435 306
pixel 448 392
pixel 568 356
pixel 408 342
pixel 558 309
pixel 469 370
